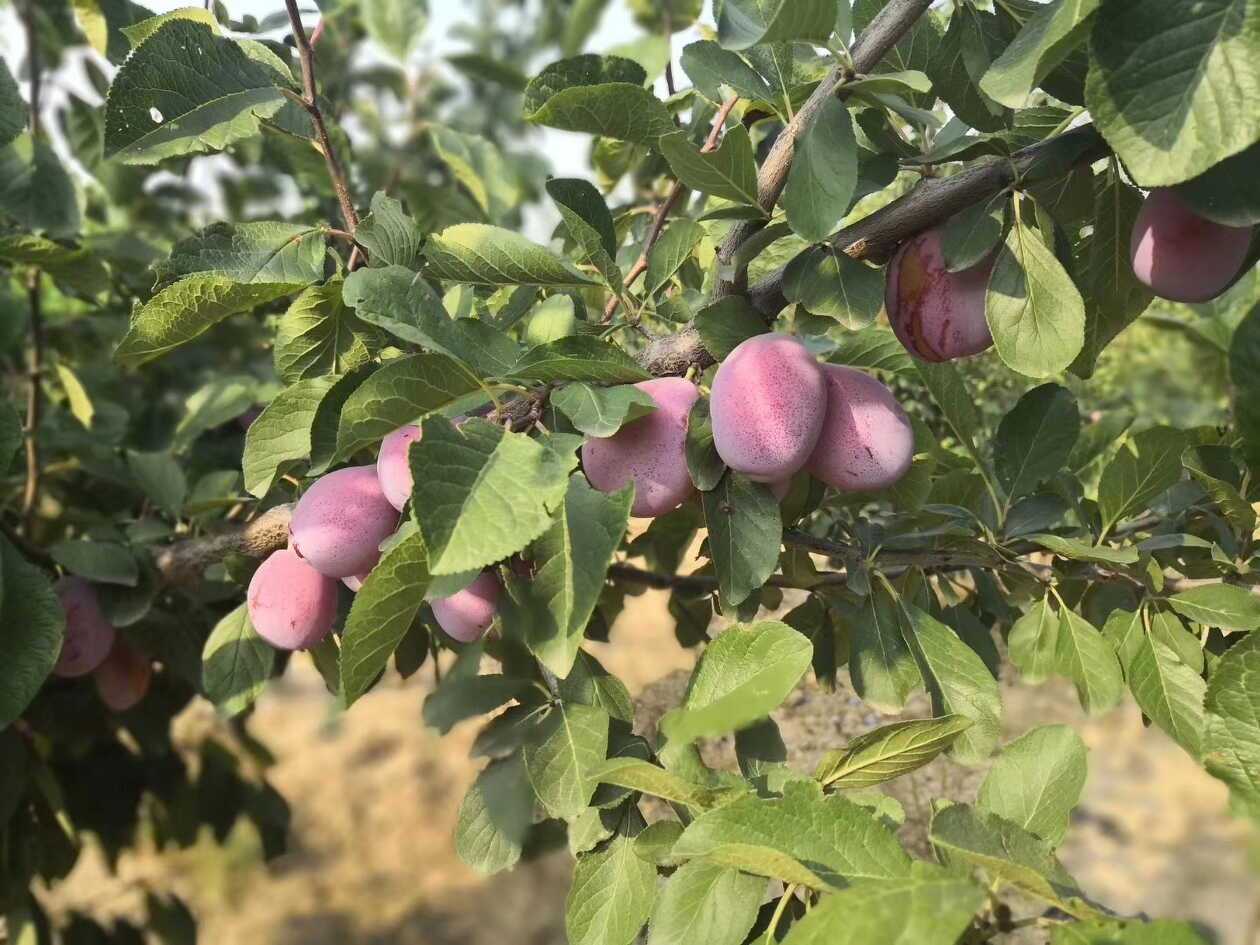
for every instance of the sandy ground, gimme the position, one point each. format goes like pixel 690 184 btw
pixel 374 796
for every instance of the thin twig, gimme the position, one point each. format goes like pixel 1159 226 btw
pixel 34 296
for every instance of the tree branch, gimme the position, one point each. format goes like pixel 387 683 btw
pixel 184 561
pixel 880 35
pixel 35 302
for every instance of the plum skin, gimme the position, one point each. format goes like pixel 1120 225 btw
pixel 467 614
pixel 89 635
pixel 124 678
pixel 393 467
pixel 1181 256
pixel 936 314
pixel 341 520
pixel 867 441
pixel 767 407
pixel 291 605
pixel 649 451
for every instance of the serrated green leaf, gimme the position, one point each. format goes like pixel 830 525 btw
pixel 1219 605
pixel 161 478
pixel 1236 509
pixel 390 237
pixel 959 62
pixel 13 111
pixel 710 67
pixel 1168 691
pixel 463 694
pixel 590 225
pixel 281 434
pixel 597 95
pixel 702 899
pixel 745 534
pixel 726 323
pixel 881 665
pixel 1231 736
pixel 1036 781
pixel 647 778
pixel 236 663
pixel 78 269
pixel 477 254
pixel 1084 657
pixel 888 752
pixel 1076 550
pixel 319 335
pixel 36 192
pixel 1035 438
pixel 730 172
pixel 1033 642
pixel 823 178
pixel 259 252
pixel 1045 40
pixel 579 358
pixel 704 465
pixel 670 252
pixel 1146 465
pixel 495 817
pixel 34 628
pixel 601 411
pixel 829 283
pixel 744 23
pixel 612 895
pixel 561 759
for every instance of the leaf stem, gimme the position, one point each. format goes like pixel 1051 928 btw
pixel 779 910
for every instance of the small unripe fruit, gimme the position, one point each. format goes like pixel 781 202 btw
pixel 341 520
pixel 937 314
pixel 867 441
pixel 767 407
pixel 466 615
pixel 123 679
pixel 393 467
pixel 291 605
pixel 649 451
pixel 1181 256
pixel 89 634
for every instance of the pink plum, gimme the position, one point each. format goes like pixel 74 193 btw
pixel 291 605
pixel 649 451
pixel 341 520
pixel 937 314
pixel 466 615
pixel 89 634
pixel 767 407
pixel 393 467
pixel 123 679
pixel 1181 256
pixel 867 441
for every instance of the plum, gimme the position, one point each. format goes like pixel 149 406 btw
pixel 649 451
pixel 341 520
pixel 123 679
pixel 291 605
pixel 867 441
pixel 466 615
pixel 355 582
pixel 937 314
pixel 767 407
pixel 89 634
pixel 393 467
pixel 1181 256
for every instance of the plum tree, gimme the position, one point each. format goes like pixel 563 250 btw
pixel 291 605
pixel 124 678
pixel 767 407
pixel 936 314
pixel 341 520
pixel 1182 256
pixel 89 634
pixel 467 614
pixel 649 451
pixel 392 465
pixel 866 441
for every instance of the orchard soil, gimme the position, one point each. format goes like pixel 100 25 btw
pixel 374 796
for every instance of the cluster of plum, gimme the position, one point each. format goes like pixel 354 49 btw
pixel 92 645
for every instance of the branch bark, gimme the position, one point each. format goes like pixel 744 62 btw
pixel 35 302
pixel 184 561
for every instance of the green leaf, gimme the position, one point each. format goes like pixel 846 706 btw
pixel 390 237
pixel 1007 852
pixel 34 627
pixel 1231 738
pixel 602 411
pixel 320 335
pixel 1169 692
pixel 881 664
pixel 403 391
pixel 1227 193
pixel 571 561
pixel 1084 657
pixel 481 167
pixel 236 663
pixel 78 269
pixel 1237 510
pixel 1043 42
pixel 874 347
pixel 161 478
pixel 829 283
pixel 10 433
pixel 13 111
pixel 1033 641
pixel 670 252
pixel 838 841
pixel 1146 466
pixel 78 400
pixel 730 172
pixel 744 674
pixel 1133 932
pixel 647 778
pixel 823 178
pixel 701 899
pixel 1034 310
pixel 482 493
pixel 105 562
pixel 281 435
pixel 563 755
pixel 260 252
pixel 969 236
pixel 395 25
pixel 712 68
pixel 1244 375
pixel 957 404
pixel 1035 438
pixel 477 254
pixel 186 91
pixel 597 95
pixel 959 62
pixel 744 23
pixel 215 403
pixel 1076 550
pixel 138 32
pixel 704 465
pixel 579 358
pixel 745 534
pixel 495 817
pixel 35 189
pixel 590 225
pixel 383 611
pixel 186 309
pixel 1219 605
pixel 930 906
pixel 888 752
pixel 725 324
pixel 1037 781
pixel 612 895
pixel 1197 111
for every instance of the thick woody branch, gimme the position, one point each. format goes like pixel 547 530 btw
pixel 184 561
pixel 889 25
